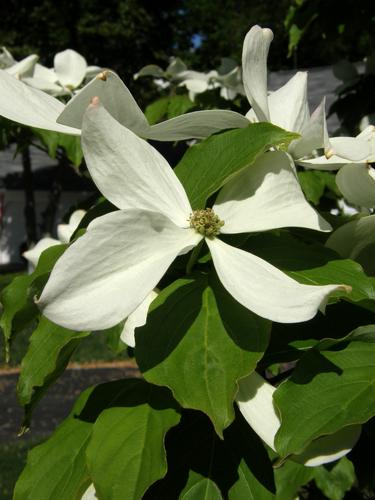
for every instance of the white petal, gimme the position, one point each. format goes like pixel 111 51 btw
pixel 368 134
pixel 24 67
pixel 150 70
pixel 70 68
pixel 266 195
pixel 104 275
pixel 136 319
pixel 32 255
pixel 263 288
pixel 255 402
pixel 90 493
pixel 327 449
pixel 44 85
pixel 323 163
pixel 65 231
pixel 115 97
pixel 254 66
pixel 349 148
pixel 44 79
pixel 176 66
pixel 31 107
pixel 92 71
pixel 196 86
pixel 313 134
pixel 350 239
pixel 6 58
pixel 196 125
pixel 357 184
pixel 128 170
pixel 198 76
pixel 44 73
pixel 288 105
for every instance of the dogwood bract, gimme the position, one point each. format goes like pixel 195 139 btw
pixel 109 271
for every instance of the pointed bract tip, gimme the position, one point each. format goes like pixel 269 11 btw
pixel 266 32
pixel 329 153
pixel 346 288
pixel 95 101
pixel 103 75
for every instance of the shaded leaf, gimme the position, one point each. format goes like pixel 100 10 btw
pixel 168 107
pixel 238 465
pixel 204 489
pixel 17 298
pixel 199 341
pixel 335 481
pixel 328 390
pixel 49 351
pixel 57 467
pixel 290 477
pixel 126 452
pixel 315 183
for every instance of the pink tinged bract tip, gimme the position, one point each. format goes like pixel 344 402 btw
pixel 95 101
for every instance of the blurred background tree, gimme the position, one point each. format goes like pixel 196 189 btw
pixel 127 34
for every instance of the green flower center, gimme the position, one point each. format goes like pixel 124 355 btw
pixel 206 222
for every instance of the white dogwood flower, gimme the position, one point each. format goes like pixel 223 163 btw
pixel 359 150
pixel 288 106
pixel 109 271
pixel 227 78
pixel 69 71
pixel 27 87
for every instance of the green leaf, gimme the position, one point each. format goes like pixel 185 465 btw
pixel 207 166
pixel 286 252
pixel 48 259
pixel 311 264
pixel 50 349
pixel 126 453
pixel 14 299
pixel 179 105
pixel 238 465
pixel 50 140
pixel 18 301
pixel 314 183
pixel 204 489
pixel 335 481
pixel 290 477
pixel 328 390
pixel 168 107
pixel 72 147
pixel 345 272
pixel 57 468
pixel 157 110
pixel 103 207
pixel 71 144
pixel 199 342
pixel 113 338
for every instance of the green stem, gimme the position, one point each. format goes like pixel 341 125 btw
pixel 194 257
